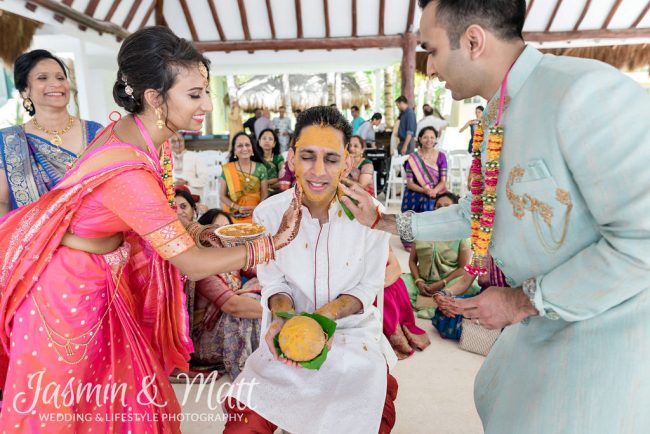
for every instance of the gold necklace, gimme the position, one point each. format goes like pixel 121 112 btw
pixel 250 169
pixel 56 134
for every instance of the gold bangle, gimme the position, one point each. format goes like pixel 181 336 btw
pixel 419 279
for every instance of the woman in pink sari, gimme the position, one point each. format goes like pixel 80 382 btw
pixel 92 309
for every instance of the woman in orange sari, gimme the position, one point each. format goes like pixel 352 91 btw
pixel 243 184
pixel 92 309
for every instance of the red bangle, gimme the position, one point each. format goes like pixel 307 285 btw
pixel 376 222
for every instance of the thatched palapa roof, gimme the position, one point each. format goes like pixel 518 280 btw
pixel 16 36
pixel 306 91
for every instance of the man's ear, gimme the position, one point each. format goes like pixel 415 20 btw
pixel 475 39
pixel 348 163
pixel 291 156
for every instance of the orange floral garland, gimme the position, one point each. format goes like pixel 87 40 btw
pixel 484 189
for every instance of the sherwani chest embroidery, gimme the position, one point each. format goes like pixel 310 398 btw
pixel 540 210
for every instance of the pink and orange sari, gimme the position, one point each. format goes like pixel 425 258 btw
pixel 91 338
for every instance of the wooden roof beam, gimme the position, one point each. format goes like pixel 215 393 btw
pixel 530 6
pixel 160 13
pixel 382 9
pixel 326 14
pixel 91 8
pixel 80 18
pixel 611 13
pixel 641 15
pixel 129 17
pixel 582 15
pixel 112 10
pixel 190 21
pixel 147 14
pixel 558 3
pixel 587 34
pixel 217 22
pixel 244 19
pixel 269 12
pixel 303 44
pixel 298 19
pixel 354 17
pixel 411 16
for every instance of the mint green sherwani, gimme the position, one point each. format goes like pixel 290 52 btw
pixel 573 210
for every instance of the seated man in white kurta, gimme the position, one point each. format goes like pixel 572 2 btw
pixel 334 267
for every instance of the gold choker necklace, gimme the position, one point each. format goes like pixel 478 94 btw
pixel 56 134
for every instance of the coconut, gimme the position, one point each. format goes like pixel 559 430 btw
pixel 302 338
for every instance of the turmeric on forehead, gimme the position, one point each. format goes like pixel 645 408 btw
pixel 320 135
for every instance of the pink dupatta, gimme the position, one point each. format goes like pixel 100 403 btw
pixel 30 235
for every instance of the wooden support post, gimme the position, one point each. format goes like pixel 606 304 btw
pixel 408 66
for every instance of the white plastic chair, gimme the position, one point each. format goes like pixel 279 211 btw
pixel 459 162
pixel 396 180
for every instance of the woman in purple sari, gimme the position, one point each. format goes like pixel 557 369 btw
pixel 426 174
pixel 35 156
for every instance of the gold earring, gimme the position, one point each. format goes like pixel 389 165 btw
pixel 159 123
pixel 28 105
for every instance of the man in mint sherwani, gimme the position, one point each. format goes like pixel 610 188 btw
pixel 572 226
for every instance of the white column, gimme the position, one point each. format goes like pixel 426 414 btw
pixel 337 91
pixel 379 89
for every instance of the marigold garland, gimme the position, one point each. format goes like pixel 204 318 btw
pixel 484 196
pixel 167 173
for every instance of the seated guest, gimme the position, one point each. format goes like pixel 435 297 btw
pixel 243 182
pixel 367 129
pixel 448 319
pixel 399 322
pixel 268 146
pixel 185 205
pixel 362 169
pixel 225 320
pixel 287 178
pixel 435 265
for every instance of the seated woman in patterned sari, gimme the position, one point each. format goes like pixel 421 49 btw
pixel 34 156
pixel 436 265
pixel 226 314
pixel 269 146
pixel 243 184
pixel 91 286
pixel 362 169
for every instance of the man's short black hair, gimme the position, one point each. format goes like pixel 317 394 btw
pixel 504 18
pixel 325 117
pixel 354 107
pixel 376 117
pixel 402 98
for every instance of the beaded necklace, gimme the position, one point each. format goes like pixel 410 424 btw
pixel 484 189
pixel 167 169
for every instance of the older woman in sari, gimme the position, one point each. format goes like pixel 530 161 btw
pixel 243 184
pixel 34 156
pixel 91 294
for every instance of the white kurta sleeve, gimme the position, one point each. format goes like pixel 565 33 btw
pixel 603 134
pixel 375 257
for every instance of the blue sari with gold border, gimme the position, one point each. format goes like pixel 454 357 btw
pixel 33 165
